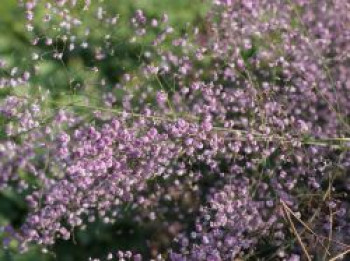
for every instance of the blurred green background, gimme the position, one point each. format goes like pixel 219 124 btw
pixel 63 80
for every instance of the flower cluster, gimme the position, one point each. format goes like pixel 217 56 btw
pixel 233 140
